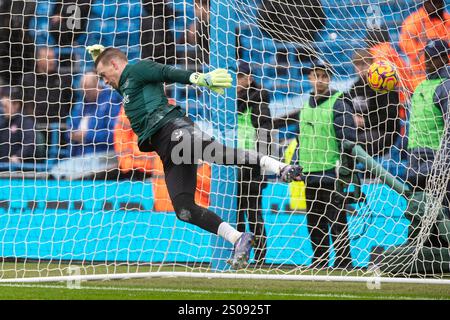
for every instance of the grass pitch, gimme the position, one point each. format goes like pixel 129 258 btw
pixel 178 288
pixel 220 289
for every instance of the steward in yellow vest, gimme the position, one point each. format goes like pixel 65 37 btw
pixel 428 113
pixel 254 128
pixel 324 121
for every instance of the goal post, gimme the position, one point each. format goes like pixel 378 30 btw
pixel 100 205
pixel 223 188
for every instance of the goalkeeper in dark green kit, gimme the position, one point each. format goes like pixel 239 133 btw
pixel 165 129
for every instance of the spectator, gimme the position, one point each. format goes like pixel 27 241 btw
pixel 429 111
pixel 381 48
pixel 197 35
pixel 68 21
pixel 375 114
pixel 157 37
pixel 297 21
pixel 323 122
pixel 67 28
pixel 254 122
pixel 17 134
pixel 16 45
pixel 429 22
pixel 48 95
pixel 92 121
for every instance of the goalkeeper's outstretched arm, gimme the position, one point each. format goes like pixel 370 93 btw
pixel 151 71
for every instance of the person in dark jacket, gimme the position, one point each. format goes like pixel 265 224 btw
pixel 68 21
pixel 254 128
pixel 324 121
pixel 197 35
pixel 17 134
pixel 16 44
pixel 429 112
pixel 157 35
pixel 375 114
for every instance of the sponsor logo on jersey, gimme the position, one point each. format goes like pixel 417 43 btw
pixel 177 134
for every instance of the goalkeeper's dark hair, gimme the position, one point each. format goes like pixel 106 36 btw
pixel 108 54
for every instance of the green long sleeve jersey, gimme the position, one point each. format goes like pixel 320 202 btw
pixel 145 102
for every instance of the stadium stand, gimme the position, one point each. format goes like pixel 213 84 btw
pixel 277 66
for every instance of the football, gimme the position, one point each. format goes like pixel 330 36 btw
pixel 382 76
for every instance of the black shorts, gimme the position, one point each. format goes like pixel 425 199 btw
pixel 181 176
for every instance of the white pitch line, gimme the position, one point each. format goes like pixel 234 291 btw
pixel 234 276
pixel 166 290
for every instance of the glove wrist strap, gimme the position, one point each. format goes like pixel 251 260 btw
pixel 194 77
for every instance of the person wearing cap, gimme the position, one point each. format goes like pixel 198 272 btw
pixel 254 122
pixel 17 134
pixel 428 113
pixel 324 121
pixel 430 21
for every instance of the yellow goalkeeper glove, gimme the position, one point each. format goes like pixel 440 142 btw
pixel 95 50
pixel 216 80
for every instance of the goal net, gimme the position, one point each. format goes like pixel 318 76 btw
pixel 78 198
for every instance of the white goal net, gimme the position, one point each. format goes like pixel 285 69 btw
pixel 75 191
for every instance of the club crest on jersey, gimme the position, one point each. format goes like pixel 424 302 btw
pixel 126 99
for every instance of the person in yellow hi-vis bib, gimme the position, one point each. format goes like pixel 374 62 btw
pixel 429 108
pixel 428 114
pixel 324 121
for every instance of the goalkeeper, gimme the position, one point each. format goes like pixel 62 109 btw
pixel 163 128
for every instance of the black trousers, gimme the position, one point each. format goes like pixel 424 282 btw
pixel 326 217
pixel 420 163
pixel 250 186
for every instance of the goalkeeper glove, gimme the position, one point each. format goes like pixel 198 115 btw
pixel 95 50
pixel 216 80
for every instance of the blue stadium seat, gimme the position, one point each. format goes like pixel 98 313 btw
pixel 116 23
pixel 39 23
